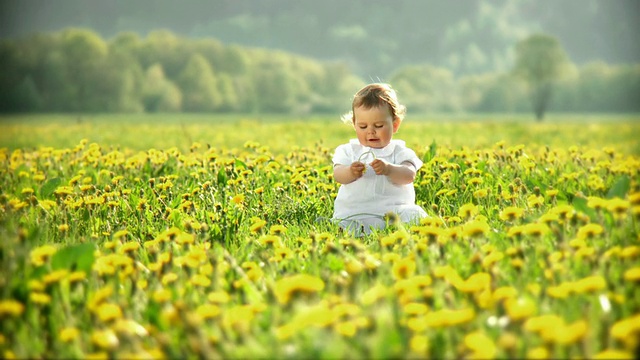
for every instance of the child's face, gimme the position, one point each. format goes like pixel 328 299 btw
pixel 374 126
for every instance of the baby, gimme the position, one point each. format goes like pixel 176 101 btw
pixel 375 171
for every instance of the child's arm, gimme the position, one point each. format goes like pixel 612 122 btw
pixel 345 174
pixel 401 174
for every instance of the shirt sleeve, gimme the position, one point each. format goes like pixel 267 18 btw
pixel 406 154
pixel 342 155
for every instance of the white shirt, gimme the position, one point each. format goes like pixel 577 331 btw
pixel 374 194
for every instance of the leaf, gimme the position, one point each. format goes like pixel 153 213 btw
pixel 47 189
pixel 240 163
pixel 431 153
pixel 77 257
pixel 619 188
pixel 580 204
pixel 222 177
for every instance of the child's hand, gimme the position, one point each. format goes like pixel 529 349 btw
pixel 381 167
pixel 357 169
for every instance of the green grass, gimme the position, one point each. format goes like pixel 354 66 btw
pixel 141 132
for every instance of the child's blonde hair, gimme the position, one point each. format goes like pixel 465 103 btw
pixel 375 95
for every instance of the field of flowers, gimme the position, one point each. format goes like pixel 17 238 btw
pixel 166 239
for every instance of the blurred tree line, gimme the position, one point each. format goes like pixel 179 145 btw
pixel 75 70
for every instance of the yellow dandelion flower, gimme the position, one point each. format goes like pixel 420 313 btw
pixel 253 270
pixel 475 283
pixel 561 291
pixel 391 257
pixel 42 254
pixel 68 334
pixel 287 331
pixel 169 278
pixel 630 252
pixel 48 204
pixel 257 225
pixel 596 203
pixel 564 211
pixel 404 268
pixel 184 238
pixel 481 345
pixel 11 308
pixel 567 334
pixel 238 318
pixel 238 199
pixel 162 295
pixel 105 339
pixel 277 229
pixel 208 311
pixel 535 201
pixel 77 276
pixel 218 297
pixel 120 234
pixel 618 206
pixel 108 311
pixel 468 210
pixel 448 317
pixel 346 310
pixel 200 280
pixel 40 298
pixel 632 275
pixel 475 228
pixel 373 294
pixel 97 356
pixel 511 213
pixel 535 229
pixel 589 284
pixel 282 253
pixel 353 266
pixel 319 316
pixel 55 276
pixel 589 231
pixel 503 293
pixel 539 352
pixel 130 327
pixel 419 344
pixel 99 297
pixel 129 247
pixel 519 309
pixel 626 329
pixel 540 323
pixel 270 240
pixel 611 354
pixel 491 259
pixel 346 328
pixel 534 289
pixel 414 308
pixel 288 287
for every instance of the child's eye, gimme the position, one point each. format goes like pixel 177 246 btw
pixel 363 127
pixel 379 126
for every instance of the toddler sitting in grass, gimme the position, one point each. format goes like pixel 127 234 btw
pixel 376 172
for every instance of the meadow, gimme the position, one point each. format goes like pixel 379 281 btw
pixel 184 236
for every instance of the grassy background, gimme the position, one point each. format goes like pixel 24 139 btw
pixel 280 133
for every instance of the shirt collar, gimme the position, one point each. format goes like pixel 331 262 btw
pixel 358 149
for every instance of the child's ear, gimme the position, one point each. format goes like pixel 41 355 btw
pixel 396 124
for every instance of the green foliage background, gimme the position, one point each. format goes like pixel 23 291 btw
pixel 76 70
